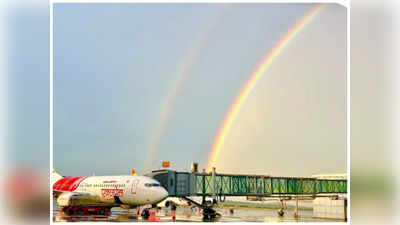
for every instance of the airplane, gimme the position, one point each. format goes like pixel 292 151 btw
pixel 98 194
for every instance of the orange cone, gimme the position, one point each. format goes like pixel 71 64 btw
pixel 153 217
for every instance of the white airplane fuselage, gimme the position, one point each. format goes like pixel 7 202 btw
pixel 129 190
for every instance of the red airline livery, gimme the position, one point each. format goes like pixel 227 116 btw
pixel 79 194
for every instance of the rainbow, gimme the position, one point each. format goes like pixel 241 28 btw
pixel 182 74
pixel 252 81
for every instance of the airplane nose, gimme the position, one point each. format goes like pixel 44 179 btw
pixel 163 194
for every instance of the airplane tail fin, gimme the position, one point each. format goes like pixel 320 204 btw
pixel 55 177
pixel 133 172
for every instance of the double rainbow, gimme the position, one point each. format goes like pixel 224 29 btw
pixel 252 81
pixel 182 74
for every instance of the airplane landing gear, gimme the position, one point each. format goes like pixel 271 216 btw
pixel 145 214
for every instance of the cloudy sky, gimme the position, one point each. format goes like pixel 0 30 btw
pixel 116 67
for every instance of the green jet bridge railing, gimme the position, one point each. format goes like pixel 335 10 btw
pixel 180 184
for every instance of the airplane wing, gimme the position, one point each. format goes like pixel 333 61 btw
pixel 57 193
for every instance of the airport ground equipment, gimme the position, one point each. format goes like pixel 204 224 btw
pixel 218 186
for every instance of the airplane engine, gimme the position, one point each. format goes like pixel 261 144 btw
pixel 66 199
pixel 72 199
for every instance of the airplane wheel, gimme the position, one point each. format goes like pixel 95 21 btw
pixel 70 211
pixel 79 211
pixel 145 214
pixel 281 212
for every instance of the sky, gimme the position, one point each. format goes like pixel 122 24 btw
pixel 27 87
pixel 116 64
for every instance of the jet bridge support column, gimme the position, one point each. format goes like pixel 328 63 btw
pixel 214 184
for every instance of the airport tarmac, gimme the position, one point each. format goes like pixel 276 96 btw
pixel 194 215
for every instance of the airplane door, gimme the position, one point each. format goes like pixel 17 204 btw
pixel 134 186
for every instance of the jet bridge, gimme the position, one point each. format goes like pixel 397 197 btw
pixel 185 184
pixel 181 184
